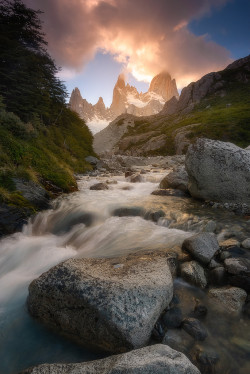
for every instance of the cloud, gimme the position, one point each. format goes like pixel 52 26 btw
pixel 147 36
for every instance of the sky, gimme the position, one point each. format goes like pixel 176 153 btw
pixel 95 40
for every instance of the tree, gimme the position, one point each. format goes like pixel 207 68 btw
pixel 28 75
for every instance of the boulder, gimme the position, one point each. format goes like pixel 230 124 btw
pixel 228 299
pixel 136 178
pixel 111 304
pixel 202 246
pixel 157 359
pixel 218 171
pixel 246 243
pixel 177 179
pixel 239 272
pixel 194 273
pixel 99 186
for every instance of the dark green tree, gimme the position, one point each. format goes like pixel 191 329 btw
pixel 28 75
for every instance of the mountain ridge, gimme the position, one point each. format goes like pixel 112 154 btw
pixel 126 99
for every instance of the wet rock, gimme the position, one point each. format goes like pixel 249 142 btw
pixel 101 305
pixel 154 216
pixel 136 178
pixel 238 266
pixel 218 171
pixel 172 318
pixel 169 192
pixel 214 264
pixel 33 192
pixel 178 339
pixel 99 186
pixel 132 211
pixel 157 359
pixel 92 160
pixel 239 272
pixel 199 311
pixel 177 179
pixel 229 242
pixel 246 243
pixel 228 299
pixel 128 173
pixel 12 219
pixel 111 181
pixel 207 360
pixel 218 276
pixel 202 246
pixel 210 226
pixel 194 273
pixel 194 328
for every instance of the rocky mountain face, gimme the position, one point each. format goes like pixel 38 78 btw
pixel 211 84
pixel 216 107
pixel 126 99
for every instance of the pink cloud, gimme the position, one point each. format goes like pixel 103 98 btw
pixel 147 36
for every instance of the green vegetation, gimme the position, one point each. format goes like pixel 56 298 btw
pixel 40 138
pixel 40 153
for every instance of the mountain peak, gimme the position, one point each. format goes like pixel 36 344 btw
pixel 163 85
pixel 121 81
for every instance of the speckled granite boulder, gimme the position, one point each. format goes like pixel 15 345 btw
pixel 157 359
pixel 111 304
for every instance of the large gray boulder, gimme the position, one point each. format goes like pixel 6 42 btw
pixel 218 171
pixel 156 359
pixel 112 304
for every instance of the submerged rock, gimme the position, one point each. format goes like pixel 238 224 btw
pixel 111 304
pixel 218 171
pixel 136 178
pixel 172 318
pixel 156 359
pixel 99 186
pixel 202 246
pixel 132 211
pixel 228 299
pixel 194 328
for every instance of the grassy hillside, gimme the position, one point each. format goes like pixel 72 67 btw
pixel 40 153
pixel 224 115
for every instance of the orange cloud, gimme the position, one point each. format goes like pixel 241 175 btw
pixel 147 36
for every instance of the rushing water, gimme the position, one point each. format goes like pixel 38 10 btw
pixel 83 225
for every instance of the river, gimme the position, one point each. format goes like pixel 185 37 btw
pixel 83 224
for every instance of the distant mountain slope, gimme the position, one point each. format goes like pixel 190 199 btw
pixel 126 99
pixel 217 106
